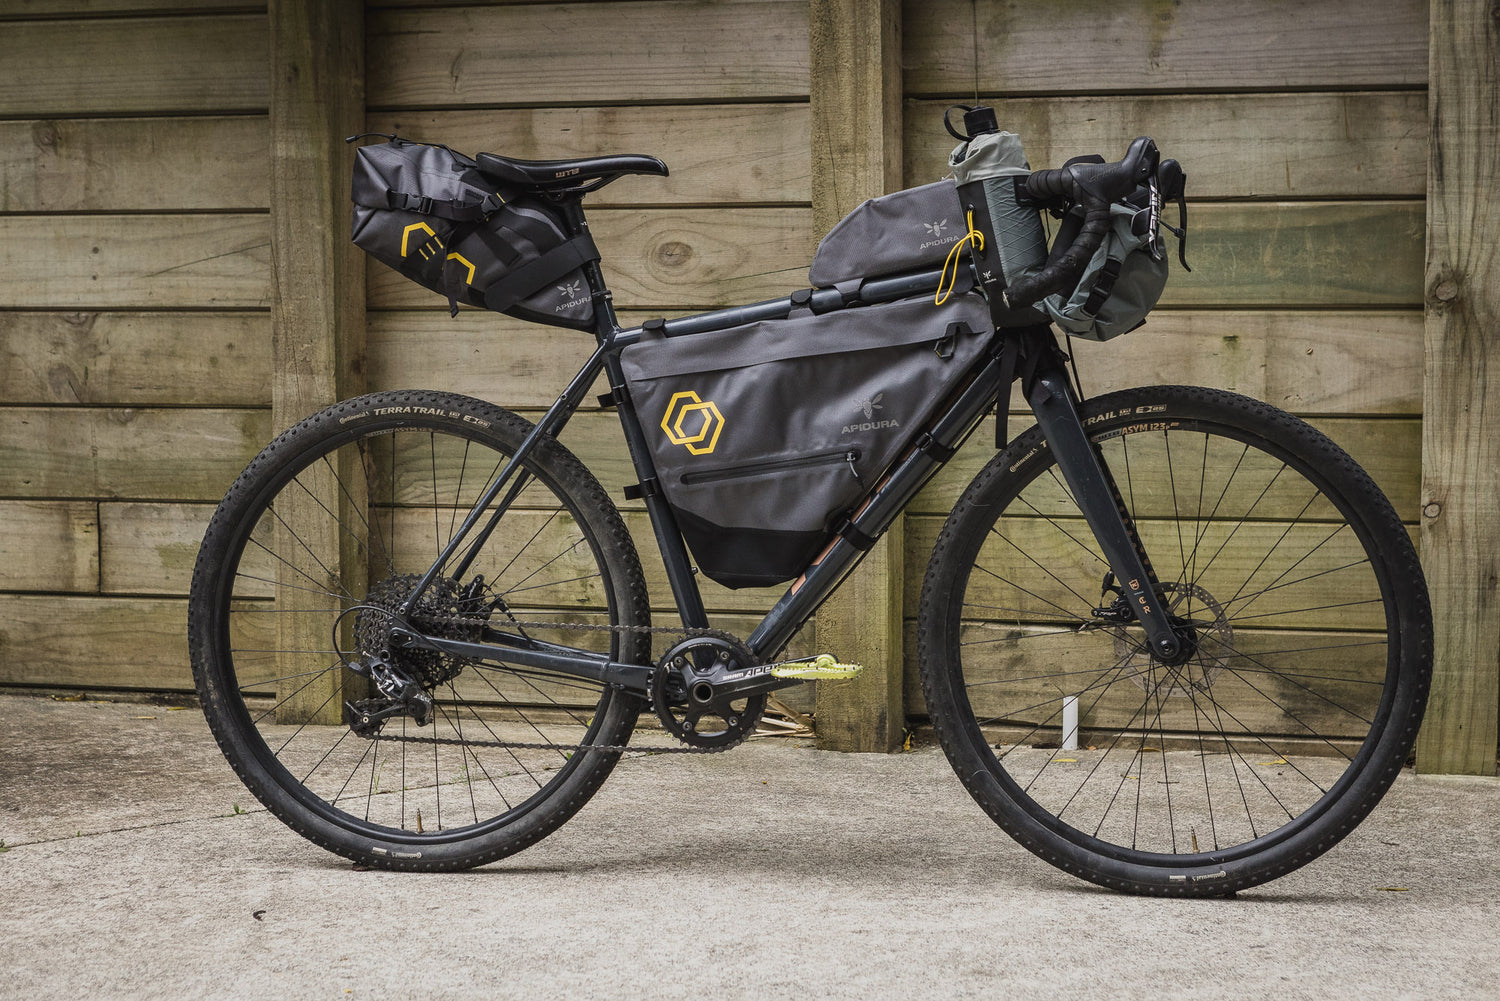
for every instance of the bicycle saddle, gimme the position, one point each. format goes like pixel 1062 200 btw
pixel 548 173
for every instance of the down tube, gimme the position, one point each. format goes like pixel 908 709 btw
pixel 889 500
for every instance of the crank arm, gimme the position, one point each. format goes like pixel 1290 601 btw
pixel 747 682
pixel 521 651
pixel 1051 401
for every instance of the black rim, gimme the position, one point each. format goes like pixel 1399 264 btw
pixel 1227 748
pixel 484 703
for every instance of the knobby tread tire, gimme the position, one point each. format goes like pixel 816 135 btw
pixel 975 762
pixel 225 710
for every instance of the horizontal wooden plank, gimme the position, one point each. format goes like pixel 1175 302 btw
pixel 539 554
pixel 79 262
pixel 151 548
pixel 1271 254
pixel 49 546
pixel 1353 254
pixel 203 359
pixel 55 641
pixel 1389 450
pixel 62 8
pixel 502 3
pixel 141 454
pixel 734 153
pixel 671 258
pixel 1032 565
pixel 1320 362
pixel 594 53
pixel 486 355
pixel 134 66
pixel 134 164
pixel 955 47
pixel 1286 683
pixel 1231 145
pixel 58 641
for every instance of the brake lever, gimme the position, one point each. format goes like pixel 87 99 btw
pixel 1147 222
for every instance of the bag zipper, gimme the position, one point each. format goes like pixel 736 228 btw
pixel 845 455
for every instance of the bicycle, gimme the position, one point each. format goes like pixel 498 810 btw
pixel 1172 640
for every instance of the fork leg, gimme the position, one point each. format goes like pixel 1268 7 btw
pixel 1093 489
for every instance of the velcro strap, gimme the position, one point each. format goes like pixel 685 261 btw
pixel 859 540
pixel 936 449
pixel 1104 284
pixel 458 211
pixel 549 267
pixel 645 488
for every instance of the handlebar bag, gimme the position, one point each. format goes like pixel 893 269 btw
pixel 430 213
pixel 766 435
pixel 1123 280
pixel 904 231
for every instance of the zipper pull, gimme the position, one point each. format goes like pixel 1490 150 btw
pixel 849 457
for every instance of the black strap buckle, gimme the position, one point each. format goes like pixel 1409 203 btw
pixel 645 488
pixel 929 445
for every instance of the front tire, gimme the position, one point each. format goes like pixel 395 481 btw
pixel 313 551
pixel 1292 717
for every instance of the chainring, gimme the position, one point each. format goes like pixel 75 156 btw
pixel 686 703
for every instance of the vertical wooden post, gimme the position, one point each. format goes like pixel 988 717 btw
pixel 1460 447
pixel 318 308
pixel 856 154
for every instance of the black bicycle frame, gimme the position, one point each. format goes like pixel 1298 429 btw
pixel 1048 392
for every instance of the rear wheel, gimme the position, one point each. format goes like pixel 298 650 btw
pixel 1310 634
pixel 309 560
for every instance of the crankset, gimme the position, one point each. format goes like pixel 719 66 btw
pixel 704 691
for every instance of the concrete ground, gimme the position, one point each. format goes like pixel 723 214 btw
pixel 774 871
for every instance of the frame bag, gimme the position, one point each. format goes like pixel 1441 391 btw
pixel 766 435
pixel 434 216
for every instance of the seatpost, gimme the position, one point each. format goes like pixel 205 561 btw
pixel 605 321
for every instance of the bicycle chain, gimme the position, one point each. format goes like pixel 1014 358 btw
pixel 684 632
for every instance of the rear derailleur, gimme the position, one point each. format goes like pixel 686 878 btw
pixel 403 696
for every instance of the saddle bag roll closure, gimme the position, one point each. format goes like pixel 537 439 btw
pixel 431 214
pixel 766 435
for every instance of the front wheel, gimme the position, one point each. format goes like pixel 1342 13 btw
pixel 1310 637
pixel 316 552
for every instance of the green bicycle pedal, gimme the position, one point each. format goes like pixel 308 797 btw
pixel 823 666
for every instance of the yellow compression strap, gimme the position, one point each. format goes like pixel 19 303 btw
pixel 953 261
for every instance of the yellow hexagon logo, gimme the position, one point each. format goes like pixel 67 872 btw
pixel 408 231
pixel 692 423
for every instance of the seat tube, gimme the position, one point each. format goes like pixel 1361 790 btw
pixel 1094 491
pixel 679 568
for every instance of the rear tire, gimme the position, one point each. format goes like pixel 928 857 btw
pixel 1292 717
pixel 323 536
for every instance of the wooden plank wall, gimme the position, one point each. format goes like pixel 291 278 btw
pixel 135 342
pixel 1303 131
pixel 718 90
